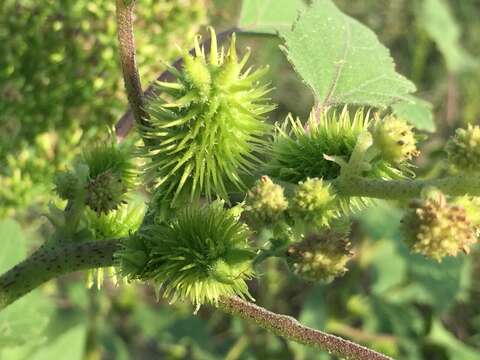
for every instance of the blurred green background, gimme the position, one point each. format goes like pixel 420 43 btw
pixel 61 89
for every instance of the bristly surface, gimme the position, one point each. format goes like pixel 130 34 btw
pixel 207 128
pixel 298 149
pixel 201 255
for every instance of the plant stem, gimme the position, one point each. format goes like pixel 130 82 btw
pixel 406 189
pixel 131 77
pixel 49 262
pixel 124 125
pixel 291 329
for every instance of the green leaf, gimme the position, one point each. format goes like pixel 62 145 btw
pixel 417 112
pixel 269 16
pixel 441 26
pixel 342 60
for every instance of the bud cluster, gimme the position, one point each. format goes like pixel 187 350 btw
pixel 320 257
pixel 464 149
pixel 314 202
pixel 266 200
pixel 394 139
pixel 437 229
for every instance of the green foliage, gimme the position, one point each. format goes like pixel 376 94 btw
pixel 342 60
pixel 61 86
pixel 391 300
pixel 215 108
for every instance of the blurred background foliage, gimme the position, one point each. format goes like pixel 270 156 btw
pixel 61 89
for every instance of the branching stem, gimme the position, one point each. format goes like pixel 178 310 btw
pixel 50 262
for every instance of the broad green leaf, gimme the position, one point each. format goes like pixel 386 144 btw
pixel 440 24
pixel 417 112
pixel 269 16
pixel 342 60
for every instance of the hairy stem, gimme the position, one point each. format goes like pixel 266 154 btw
pixel 291 329
pixel 49 262
pixel 406 189
pixel 131 77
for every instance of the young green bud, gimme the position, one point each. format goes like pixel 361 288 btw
pixel 395 140
pixel 464 149
pixel 66 184
pixel 315 202
pixel 320 257
pixel 111 175
pixel 266 201
pixel 436 229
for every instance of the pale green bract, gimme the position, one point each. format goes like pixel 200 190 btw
pixel 342 60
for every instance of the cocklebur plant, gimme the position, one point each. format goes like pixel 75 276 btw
pixel 205 135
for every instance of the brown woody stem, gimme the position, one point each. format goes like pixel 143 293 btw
pixel 131 77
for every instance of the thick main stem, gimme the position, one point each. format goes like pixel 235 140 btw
pixel 126 42
pixel 49 262
pixel 52 261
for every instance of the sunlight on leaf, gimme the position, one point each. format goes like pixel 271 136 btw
pixel 342 60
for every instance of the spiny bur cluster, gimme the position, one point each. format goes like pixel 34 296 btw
pixel 437 229
pixel 207 128
pixel 464 149
pixel 299 150
pixel 201 255
pixel 320 257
